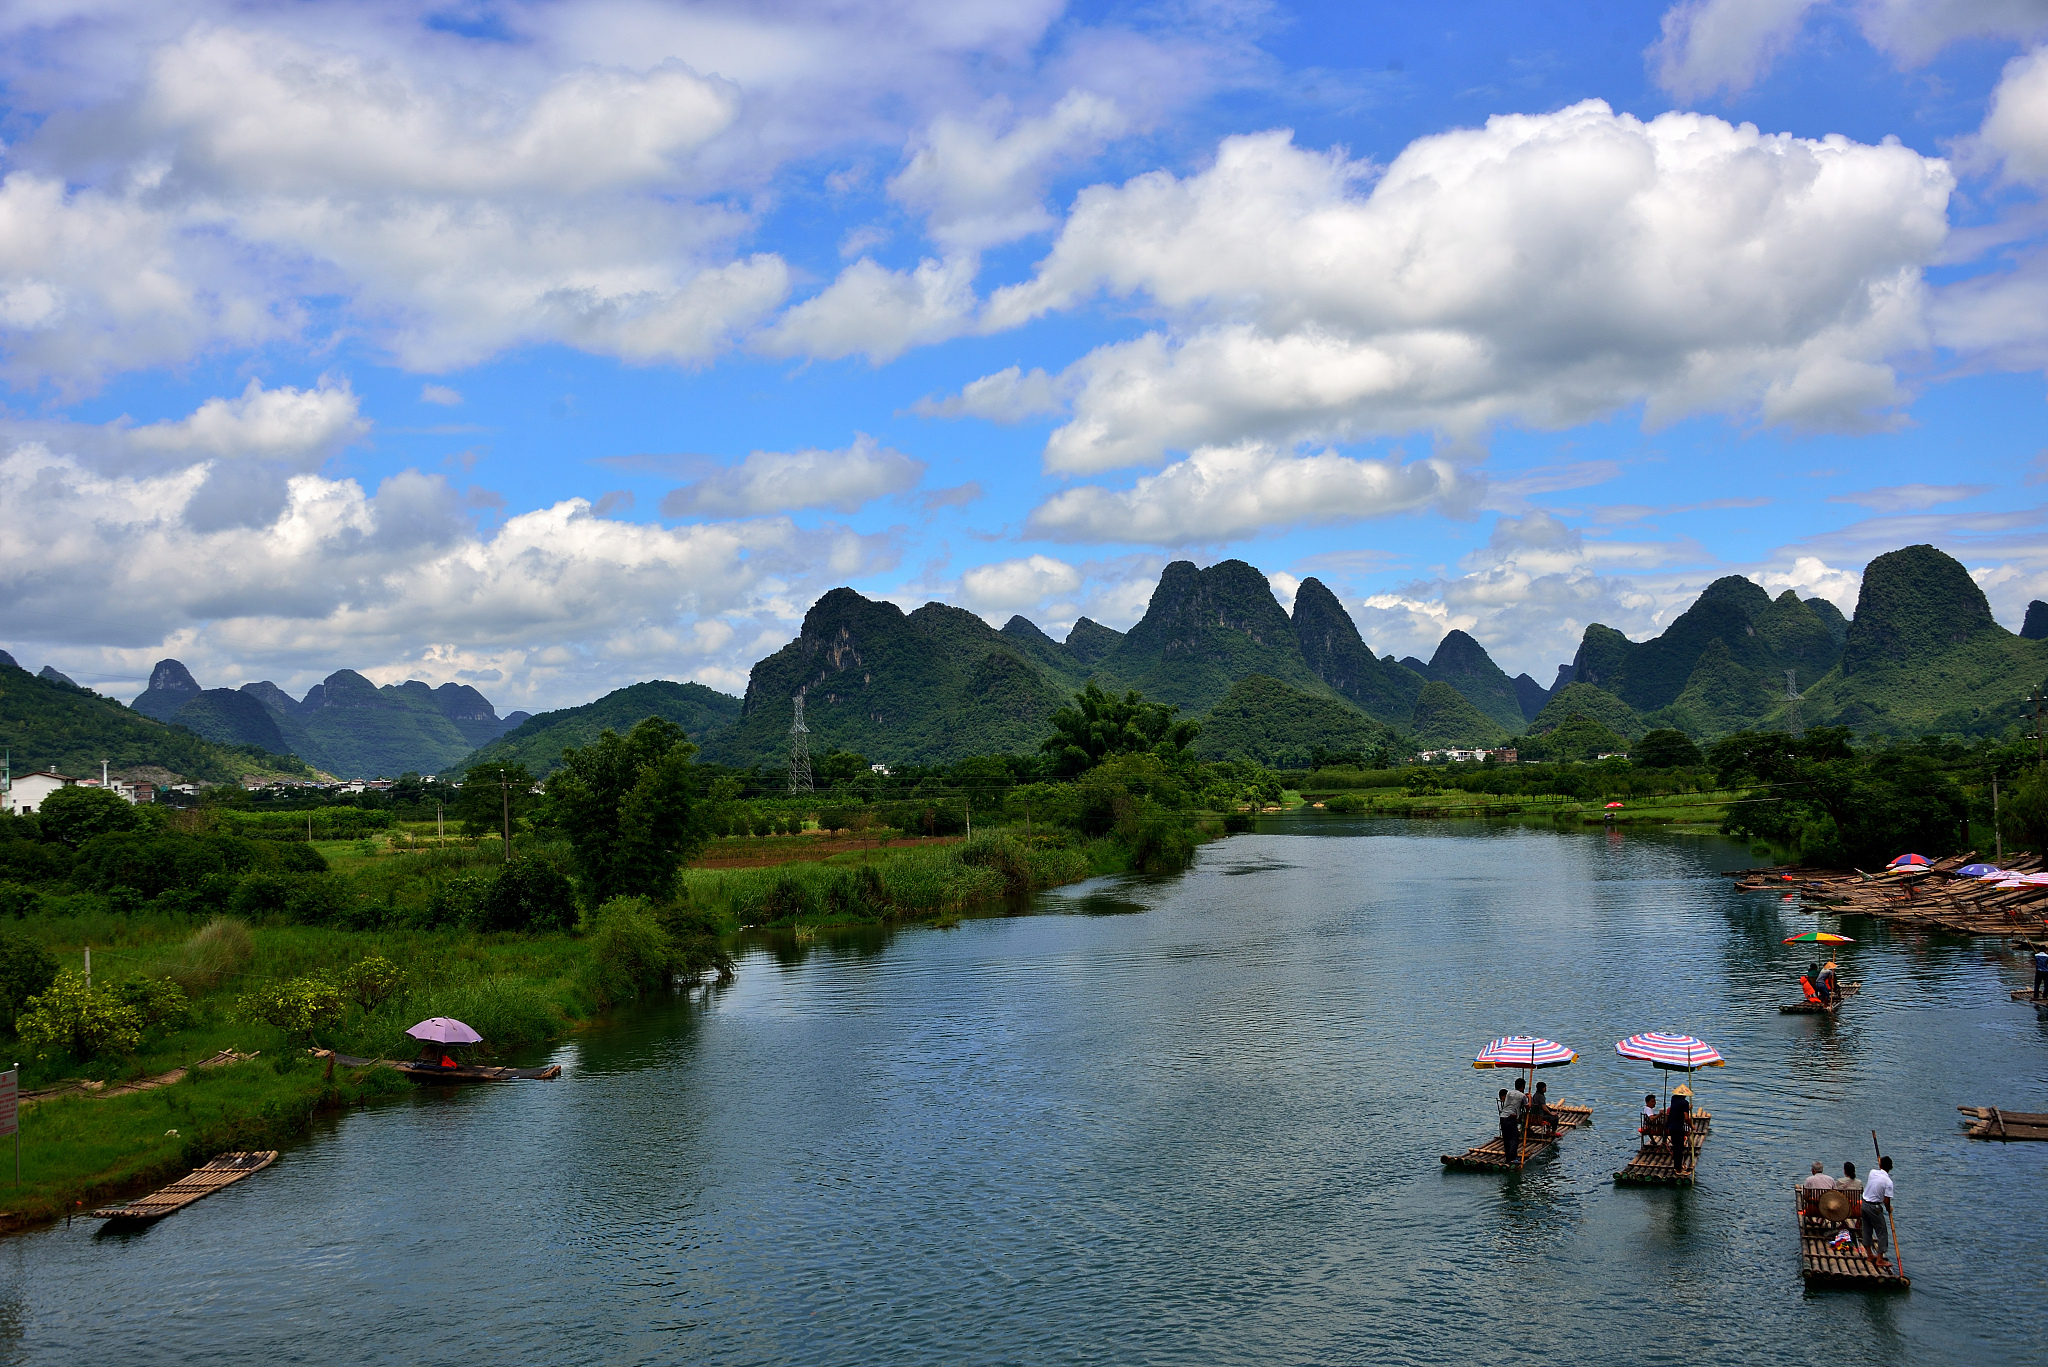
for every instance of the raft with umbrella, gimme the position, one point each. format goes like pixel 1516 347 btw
pixel 435 1064
pixel 1657 1162
pixel 1812 1007
pixel 1526 1053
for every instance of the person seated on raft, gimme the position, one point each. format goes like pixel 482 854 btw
pixel 1806 985
pixel 1653 1122
pixel 432 1057
pixel 1541 1118
pixel 1816 1182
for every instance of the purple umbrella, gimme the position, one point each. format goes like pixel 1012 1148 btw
pixel 445 1030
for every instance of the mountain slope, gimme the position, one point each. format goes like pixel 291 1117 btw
pixel 931 687
pixel 233 718
pixel 1202 632
pixel 1464 664
pixel 1531 695
pixel 1924 654
pixel 56 726
pixel 1446 717
pixel 171 686
pixel 359 730
pixel 1089 641
pixel 1263 720
pixel 539 741
pixel 1595 704
pixel 1335 653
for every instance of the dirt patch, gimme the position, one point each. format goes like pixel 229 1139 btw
pixel 765 852
pixel 141 1084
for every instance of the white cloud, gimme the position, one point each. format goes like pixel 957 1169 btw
pixel 298 428
pixel 558 601
pixel 1811 577
pixel 440 394
pixel 2016 129
pixel 1011 586
pixel 1715 45
pixel 1008 396
pixel 978 187
pixel 878 312
pixel 778 481
pixel 1218 493
pixel 1710 45
pixel 1548 269
pixel 1899 498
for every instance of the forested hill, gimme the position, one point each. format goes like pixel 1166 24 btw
pixel 538 742
pixel 52 725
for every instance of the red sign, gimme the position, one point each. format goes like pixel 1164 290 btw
pixel 8 1097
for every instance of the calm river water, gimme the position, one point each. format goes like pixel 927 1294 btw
pixel 1183 1120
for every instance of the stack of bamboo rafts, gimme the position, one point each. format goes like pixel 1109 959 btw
pixel 1929 896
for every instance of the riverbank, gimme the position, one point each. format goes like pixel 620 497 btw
pixel 1674 809
pixel 519 990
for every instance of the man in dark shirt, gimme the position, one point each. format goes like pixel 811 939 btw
pixel 1679 1119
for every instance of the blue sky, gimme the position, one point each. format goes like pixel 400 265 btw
pixel 553 346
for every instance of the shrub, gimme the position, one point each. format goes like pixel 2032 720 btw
pixel 1667 749
pixel 1343 803
pixel 26 970
pixel 788 898
pixel 158 1002
pixel 84 1022
pixel 260 896
pixel 300 1007
pixel 456 901
pixel 216 951
pixel 528 895
pixel 630 951
pixel 18 901
pixel 1001 855
pixel 371 981
pixel 313 900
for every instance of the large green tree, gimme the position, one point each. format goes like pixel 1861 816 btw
pixel 1836 805
pixel 624 802
pixel 1101 724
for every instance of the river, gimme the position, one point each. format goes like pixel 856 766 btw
pixel 1192 1119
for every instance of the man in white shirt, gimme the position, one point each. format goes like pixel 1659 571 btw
pixel 1877 1199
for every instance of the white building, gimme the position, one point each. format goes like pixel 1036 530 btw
pixel 26 793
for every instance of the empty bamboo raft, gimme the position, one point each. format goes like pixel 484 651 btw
pixel 1653 1166
pixel 1488 1157
pixel 1822 1262
pixel 1932 896
pixel 225 1170
pixel 1993 1123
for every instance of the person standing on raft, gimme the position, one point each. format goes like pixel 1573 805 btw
pixel 1877 1200
pixel 1511 1107
pixel 2040 974
pixel 1678 1121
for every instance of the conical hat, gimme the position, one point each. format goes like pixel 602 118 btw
pixel 1836 1205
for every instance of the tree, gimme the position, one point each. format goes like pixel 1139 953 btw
pixel 841 766
pixel 1667 749
pixel 624 802
pixel 69 1017
pixel 1836 806
pixel 74 815
pixel 529 895
pixel 26 970
pixel 486 790
pixel 1101 724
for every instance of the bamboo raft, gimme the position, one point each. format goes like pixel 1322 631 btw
pixel 1993 1123
pixel 225 1170
pixel 1489 1157
pixel 1653 1166
pixel 1816 1009
pixel 1824 1263
pixel 468 1072
pixel 1929 897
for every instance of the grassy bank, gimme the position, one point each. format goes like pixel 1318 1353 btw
pixel 1688 809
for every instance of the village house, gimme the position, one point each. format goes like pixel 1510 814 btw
pixel 26 793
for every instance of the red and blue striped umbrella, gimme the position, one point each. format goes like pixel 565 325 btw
pixel 1909 861
pixel 1681 1053
pixel 1523 1051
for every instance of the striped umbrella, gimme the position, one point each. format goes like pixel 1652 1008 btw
pixel 1817 937
pixel 1523 1051
pixel 1909 861
pixel 1680 1053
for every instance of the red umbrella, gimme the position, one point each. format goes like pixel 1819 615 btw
pixel 1613 805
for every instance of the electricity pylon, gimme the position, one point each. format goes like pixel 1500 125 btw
pixel 1792 722
pixel 799 751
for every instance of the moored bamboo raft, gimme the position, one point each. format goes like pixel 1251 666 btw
pixel 1653 1165
pixel 224 1170
pixel 468 1072
pixel 1992 1123
pixel 1823 1262
pixel 1489 1157
pixel 1933 897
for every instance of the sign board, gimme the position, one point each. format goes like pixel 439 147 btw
pixel 8 1096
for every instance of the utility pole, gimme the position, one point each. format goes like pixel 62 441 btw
pixel 799 750
pixel 505 791
pixel 1997 836
pixel 440 830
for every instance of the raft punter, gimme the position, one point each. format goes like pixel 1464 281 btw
pixel 1877 1200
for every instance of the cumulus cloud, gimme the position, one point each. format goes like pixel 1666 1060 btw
pixel 347 577
pixel 1217 493
pixel 1728 45
pixel 979 187
pixel 294 427
pixel 1811 577
pixel 2015 130
pixel 873 311
pixel 1008 396
pixel 1548 269
pixel 782 481
pixel 1010 586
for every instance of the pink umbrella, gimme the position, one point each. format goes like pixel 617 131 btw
pixel 445 1030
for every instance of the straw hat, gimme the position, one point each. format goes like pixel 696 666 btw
pixel 1836 1205
pixel 1681 1090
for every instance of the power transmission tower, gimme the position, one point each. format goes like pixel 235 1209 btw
pixel 799 751
pixel 1792 722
